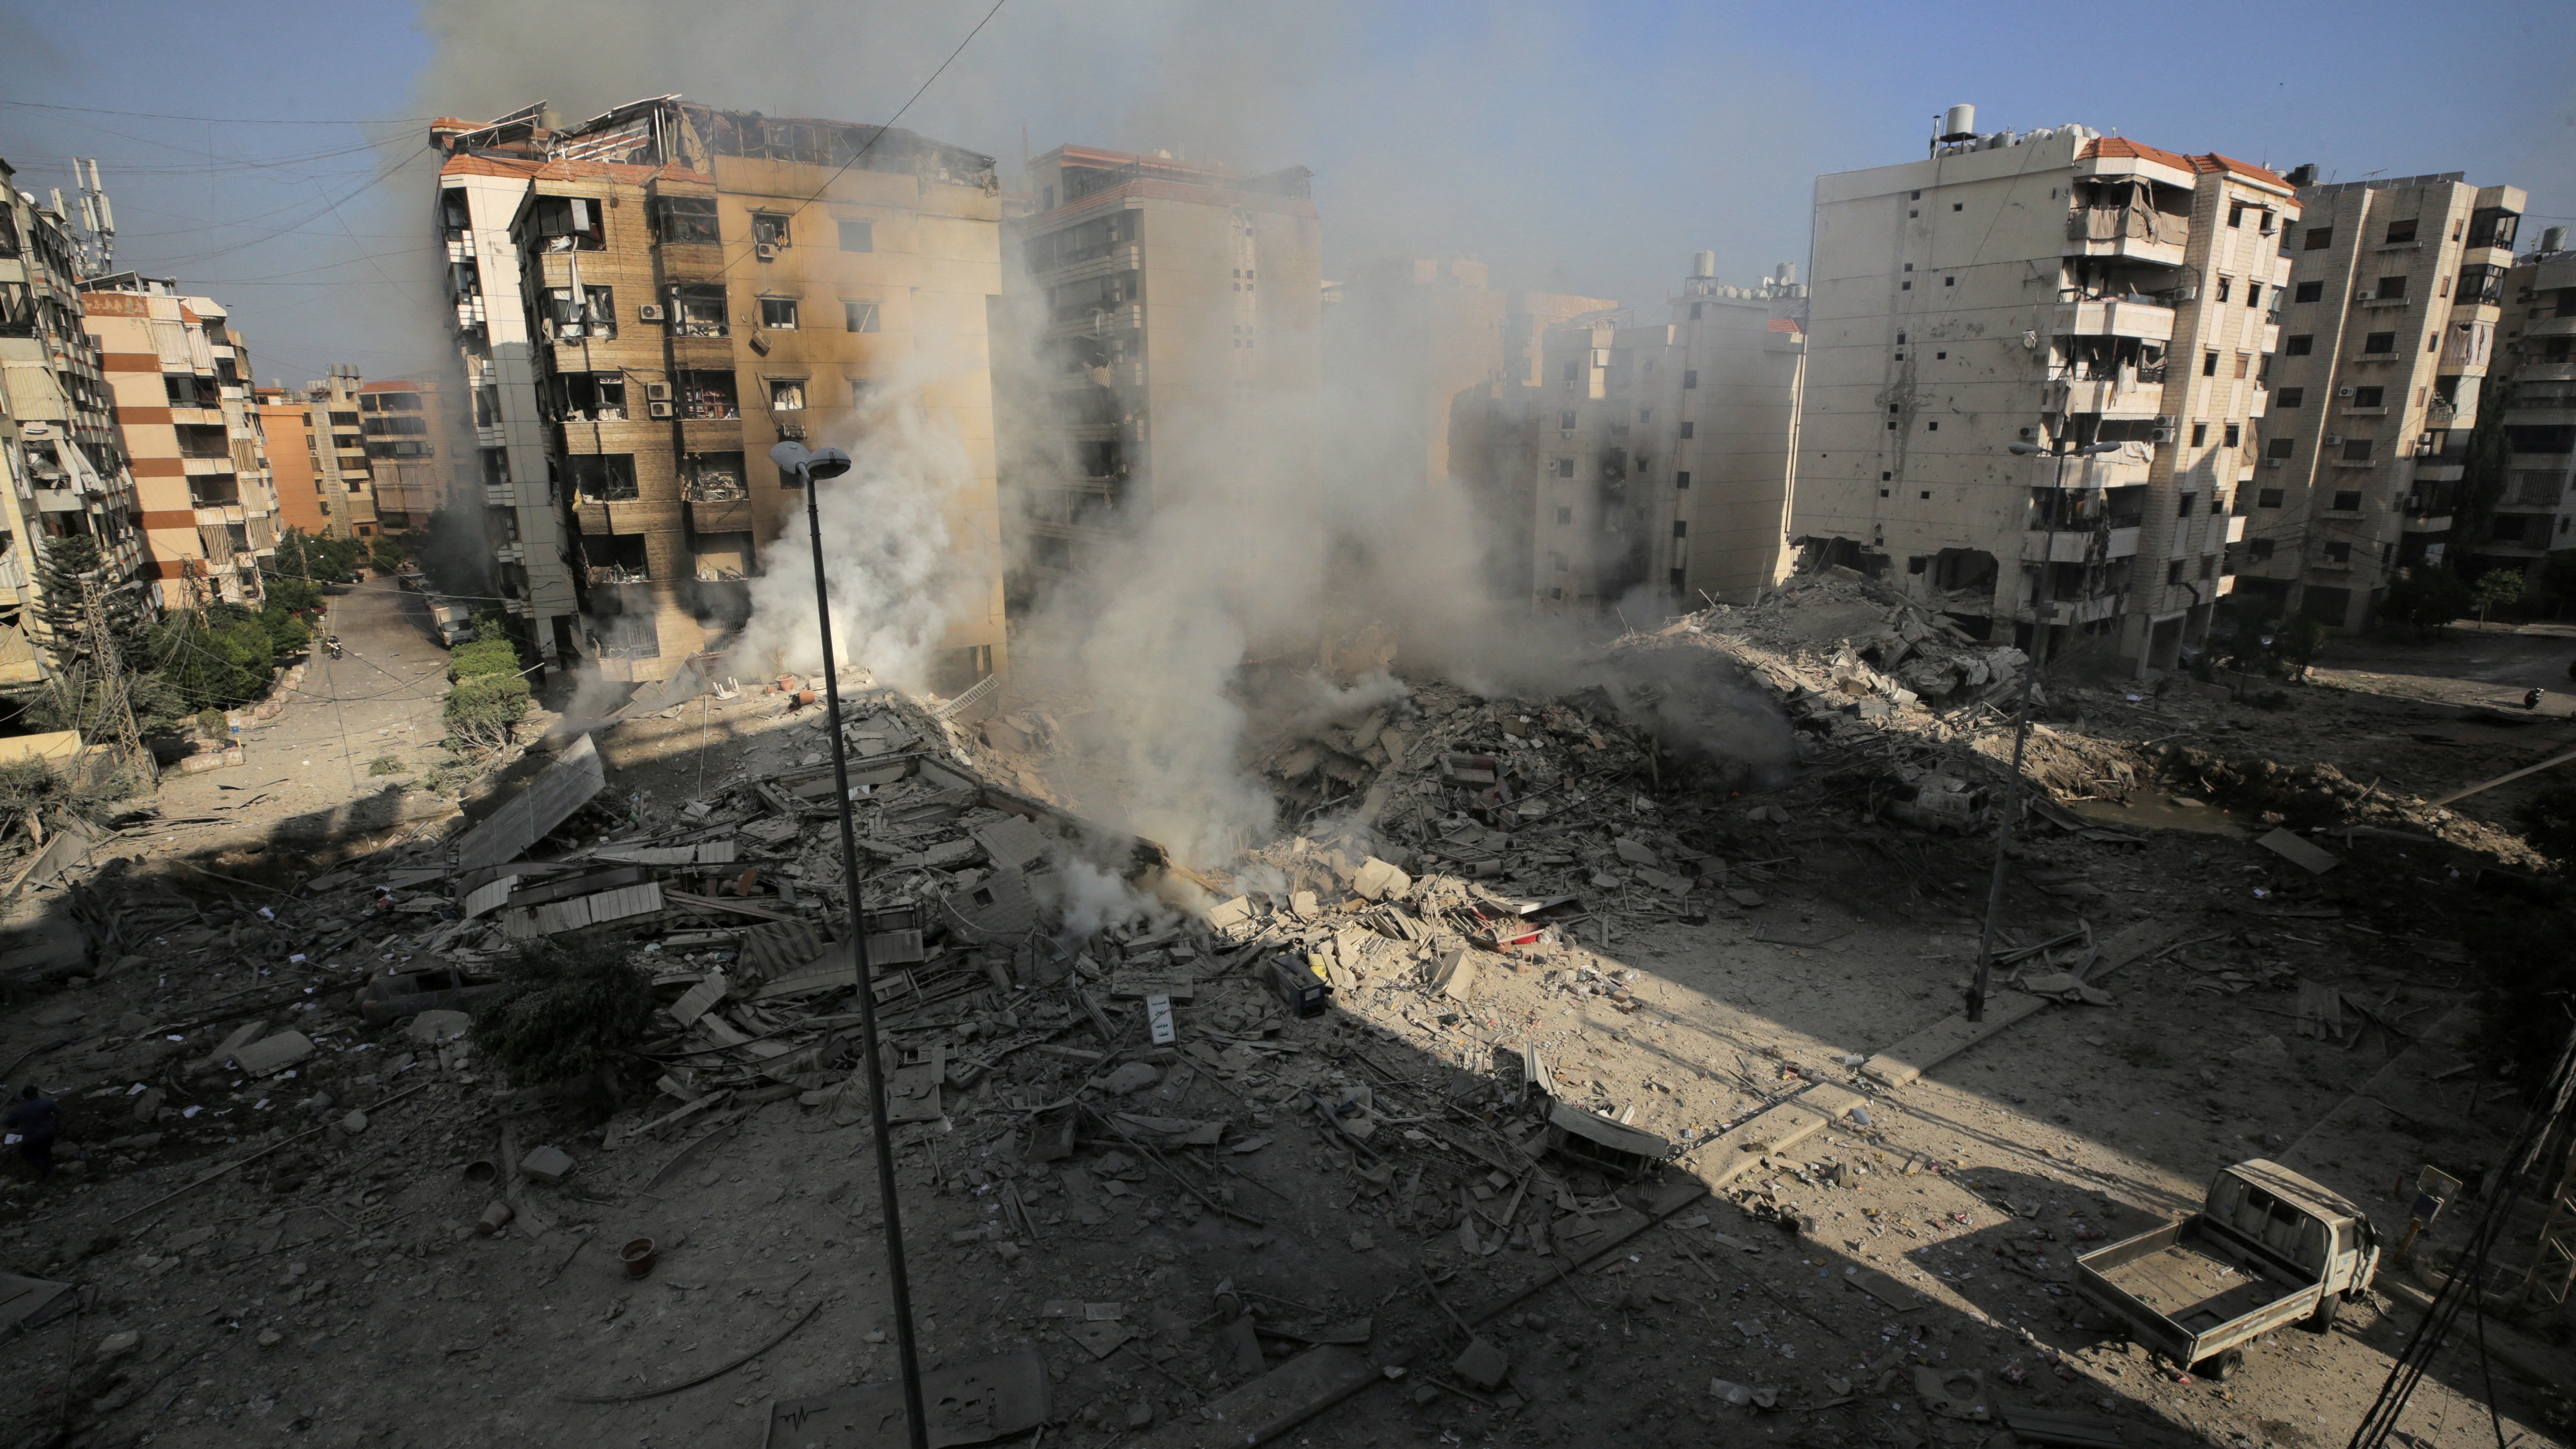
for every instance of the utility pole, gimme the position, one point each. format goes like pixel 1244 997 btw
pixel 130 735
pixel 2042 605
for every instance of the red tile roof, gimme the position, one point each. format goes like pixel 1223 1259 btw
pixel 1784 324
pixel 2122 146
pixel 471 165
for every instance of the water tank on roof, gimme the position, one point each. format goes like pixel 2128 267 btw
pixel 1959 123
pixel 1703 264
pixel 2553 239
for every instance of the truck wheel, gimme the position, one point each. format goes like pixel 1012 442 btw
pixel 2323 1319
pixel 2225 1366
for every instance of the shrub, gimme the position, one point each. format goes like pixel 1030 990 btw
pixel 482 657
pixel 482 710
pixel 574 1007
pixel 212 724
pixel 2425 597
pixel 387 765
pixel 286 633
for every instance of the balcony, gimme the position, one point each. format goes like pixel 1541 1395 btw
pixel 2129 466
pixel 2083 611
pixel 719 515
pixel 2136 394
pixel 2126 317
pixel 2426 523
pixel 606 575
pixel 2137 233
pixel 2076 545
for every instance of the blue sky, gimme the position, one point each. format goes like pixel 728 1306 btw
pixel 1585 148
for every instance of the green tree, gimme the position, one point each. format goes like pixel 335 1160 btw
pixel 2425 597
pixel 221 658
pixel 482 657
pixel 293 594
pixel 483 709
pixel 2497 587
pixel 286 633
pixel 575 1007
pixel 325 560
pixel 76 605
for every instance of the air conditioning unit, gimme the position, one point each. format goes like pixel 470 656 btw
pixel 2333 439
pixel 2272 462
pixel 657 391
pixel 2365 295
pixel 2343 392
pixel 766 251
pixel 2164 432
pixel 658 409
pixel 649 312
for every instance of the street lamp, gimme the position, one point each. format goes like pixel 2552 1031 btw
pixel 2040 604
pixel 812 468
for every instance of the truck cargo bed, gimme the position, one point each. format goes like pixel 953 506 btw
pixel 2192 1288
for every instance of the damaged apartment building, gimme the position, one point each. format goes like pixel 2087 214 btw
pixel 180 380
pixel 696 285
pixel 1666 449
pixel 61 458
pixel 1175 309
pixel 2536 410
pixel 2055 289
pixel 1435 367
pixel 2395 289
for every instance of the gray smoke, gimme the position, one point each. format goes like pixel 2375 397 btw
pixel 1300 535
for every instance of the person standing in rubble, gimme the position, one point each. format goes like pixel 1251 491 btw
pixel 37 1119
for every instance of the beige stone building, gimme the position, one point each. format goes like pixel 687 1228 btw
pixel 2388 329
pixel 413 437
pixel 181 384
pixel 2535 514
pixel 697 285
pixel 1666 449
pixel 338 433
pixel 61 459
pixel 1175 309
pixel 2052 288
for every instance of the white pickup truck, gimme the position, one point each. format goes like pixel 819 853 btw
pixel 2267 1247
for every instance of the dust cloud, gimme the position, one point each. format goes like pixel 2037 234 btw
pixel 1296 546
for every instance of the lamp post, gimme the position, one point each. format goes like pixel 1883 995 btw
pixel 2041 601
pixel 811 469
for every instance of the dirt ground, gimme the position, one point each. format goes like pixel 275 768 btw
pixel 336 1291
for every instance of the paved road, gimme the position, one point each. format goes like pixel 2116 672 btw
pixel 2467 664
pixel 382 698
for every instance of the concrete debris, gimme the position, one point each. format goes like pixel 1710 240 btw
pixel 548 1165
pixel 434 1028
pixel 271 1055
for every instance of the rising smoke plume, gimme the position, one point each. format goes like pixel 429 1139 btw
pixel 1281 523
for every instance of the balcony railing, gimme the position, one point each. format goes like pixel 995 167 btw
pixel 599 574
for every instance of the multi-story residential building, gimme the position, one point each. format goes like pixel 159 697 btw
pixel 700 284
pixel 1433 366
pixel 2387 328
pixel 181 386
pixel 486 174
pixel 2054 288
pixel 2535 515
pixel 295 466
pixel 1178 308
pixel 340 451
pixel 61 458
pixel 412 441
pixel 1666 449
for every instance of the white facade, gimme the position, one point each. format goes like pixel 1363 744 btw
pixel 2050 288
pixel 498 367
